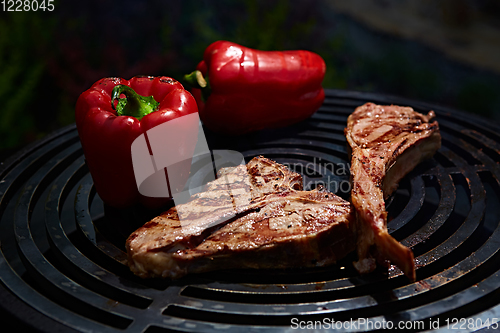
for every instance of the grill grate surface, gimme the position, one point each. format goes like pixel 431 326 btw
pixel 62 251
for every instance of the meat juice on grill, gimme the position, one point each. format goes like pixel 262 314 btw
pixel 251 216
pixel 386 143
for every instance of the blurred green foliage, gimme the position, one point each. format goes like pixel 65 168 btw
pixel 48 59
pixel 21 37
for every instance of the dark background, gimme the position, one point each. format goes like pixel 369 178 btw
pixel 440 51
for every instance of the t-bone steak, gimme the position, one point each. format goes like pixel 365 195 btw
pixel 251 216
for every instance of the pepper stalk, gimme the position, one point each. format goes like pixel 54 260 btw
pixel 133 104
pixel 196 80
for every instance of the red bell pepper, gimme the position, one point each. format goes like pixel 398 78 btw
pixel 112 114
pixel 240 90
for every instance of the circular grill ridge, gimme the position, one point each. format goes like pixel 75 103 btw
pixel 62 251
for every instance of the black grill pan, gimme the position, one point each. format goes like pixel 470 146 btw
pixel 62 260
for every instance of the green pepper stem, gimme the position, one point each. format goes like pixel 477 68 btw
pixel 133 104
pixel 196 80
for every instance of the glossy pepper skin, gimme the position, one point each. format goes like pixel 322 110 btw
pixel 106 136
pixel 248 90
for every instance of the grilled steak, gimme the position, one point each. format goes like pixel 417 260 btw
pixel 252 216
pixel 386 143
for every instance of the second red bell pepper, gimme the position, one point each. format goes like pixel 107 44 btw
pixel 240 90
pixel 112 114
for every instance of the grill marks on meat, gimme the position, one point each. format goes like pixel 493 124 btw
pixel 386 143
pixel 250 216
